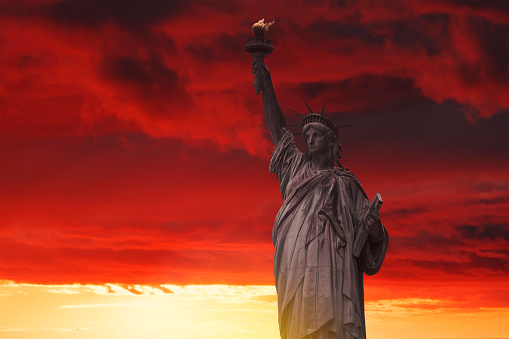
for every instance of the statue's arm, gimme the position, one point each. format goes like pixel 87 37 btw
pixel 273 113
pixel 375 227
pixel 373 252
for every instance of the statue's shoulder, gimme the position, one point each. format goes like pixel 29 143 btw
pixel 345 173
pixel 347 176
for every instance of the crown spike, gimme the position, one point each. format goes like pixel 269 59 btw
pixel 298 133
pixel 309 108
pixel 322 113
pixel 300 115
pixel 336 116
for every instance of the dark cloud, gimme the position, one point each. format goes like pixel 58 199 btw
pixel 484 232
pixel 493 39
pixel 371 90
pixel 495 201
pixel 434 129
pixel 495 5
pixel 24 62
pixel 473 265
pixel 202 52
pixel 424 241
pixel 129 14
pixel 470 73
pixel 323 29
pixel 405 212
pixel 491 133
pixel 388 112
pixel 502 251
pixel 147 80
pixel 143 73
pixel 223 48
pixel 429 32
pixel 221 6
pixel 343 3
pixel 488 186
pixel 133 14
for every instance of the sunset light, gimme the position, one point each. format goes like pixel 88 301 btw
pixel 211 311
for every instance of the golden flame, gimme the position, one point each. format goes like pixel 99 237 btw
pixel 261 28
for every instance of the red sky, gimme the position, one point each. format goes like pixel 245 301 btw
pixel 134 151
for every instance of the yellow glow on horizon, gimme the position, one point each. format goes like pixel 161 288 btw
pixel 211 311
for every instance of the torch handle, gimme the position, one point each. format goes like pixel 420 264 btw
pixel 258 77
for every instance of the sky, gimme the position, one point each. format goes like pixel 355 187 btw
pixel 134 155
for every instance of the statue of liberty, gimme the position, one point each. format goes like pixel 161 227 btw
pixel 326 234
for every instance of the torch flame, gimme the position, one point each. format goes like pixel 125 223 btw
pixel 261 28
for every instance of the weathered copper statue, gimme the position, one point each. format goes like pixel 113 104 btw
pixel 326 234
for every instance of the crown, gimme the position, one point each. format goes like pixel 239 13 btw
pixel 321 119
pixel 317 118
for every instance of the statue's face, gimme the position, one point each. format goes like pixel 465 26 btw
pixel 318 143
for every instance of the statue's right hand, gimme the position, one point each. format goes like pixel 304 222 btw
pixel 262 69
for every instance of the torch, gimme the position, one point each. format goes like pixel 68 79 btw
pixel 259 47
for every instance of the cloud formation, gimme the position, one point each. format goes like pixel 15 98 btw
pixel 133 148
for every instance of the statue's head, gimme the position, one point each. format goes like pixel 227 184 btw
pixel 318 138
pixel 321 134
pixel 321 141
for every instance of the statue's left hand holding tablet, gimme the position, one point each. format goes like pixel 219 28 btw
pixel 375 228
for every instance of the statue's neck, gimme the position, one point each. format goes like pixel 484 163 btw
pixel 322 162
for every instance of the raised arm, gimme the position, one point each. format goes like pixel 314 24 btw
pixel 273 113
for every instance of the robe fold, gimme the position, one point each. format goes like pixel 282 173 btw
pixel 318 280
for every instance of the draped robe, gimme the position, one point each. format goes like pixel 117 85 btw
pixel 318 280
